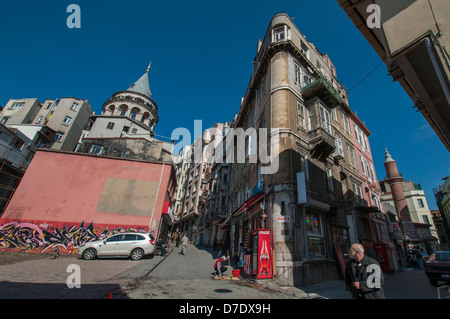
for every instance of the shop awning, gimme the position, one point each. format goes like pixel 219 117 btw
pixel 244 206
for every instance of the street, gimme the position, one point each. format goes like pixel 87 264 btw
pixel 175 276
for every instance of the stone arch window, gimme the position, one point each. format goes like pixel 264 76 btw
pixel 111 109
pixel 134 112
pixel 145 117
pixel 152 123
pixel 123 109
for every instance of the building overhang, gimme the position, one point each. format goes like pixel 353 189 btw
pixel 413 54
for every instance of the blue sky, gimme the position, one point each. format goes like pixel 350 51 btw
pixel 202 53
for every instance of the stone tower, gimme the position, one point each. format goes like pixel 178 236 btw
pixel 394 179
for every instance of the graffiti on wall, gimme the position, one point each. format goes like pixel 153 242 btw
pixel 43 238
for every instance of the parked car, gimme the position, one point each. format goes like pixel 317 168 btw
pixel 132 245
pixel 437 267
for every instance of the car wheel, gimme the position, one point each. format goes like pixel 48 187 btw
pixel 137 254
pixel 89 254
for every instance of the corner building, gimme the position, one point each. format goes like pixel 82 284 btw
pixel 294 90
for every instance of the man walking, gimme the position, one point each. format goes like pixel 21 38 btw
pixel 363 275
pixel 184 242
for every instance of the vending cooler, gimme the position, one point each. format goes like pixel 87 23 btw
pixel 262 254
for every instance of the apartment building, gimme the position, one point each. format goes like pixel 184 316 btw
pixel 199 186
pixel 182 167
pixel 63 120
pixel 294 94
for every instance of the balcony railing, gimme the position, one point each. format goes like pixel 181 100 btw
pixel 325 90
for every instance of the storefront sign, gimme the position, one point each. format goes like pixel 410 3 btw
pixel 284 219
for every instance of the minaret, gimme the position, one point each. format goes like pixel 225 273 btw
pixel 394 179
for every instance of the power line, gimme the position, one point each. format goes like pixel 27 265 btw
pixel 368 74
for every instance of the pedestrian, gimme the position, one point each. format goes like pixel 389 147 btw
pixel 240 255
pixel 419 258
pixel 363 275
pixel 161 246
pixel 219 266
pixel 178 239
pixel 184 242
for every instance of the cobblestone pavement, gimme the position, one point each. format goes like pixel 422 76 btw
pixel 190 276
pixel 176 276
pixel 30 276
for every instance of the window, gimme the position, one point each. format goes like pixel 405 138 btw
pixel 96 149
pixel 301 116
pixel 362 164
pixel 420 203
pixel 298 74
pixel 305 50
pixel 110 125
pixel 133 237
pixel 126 153
pixel 306 80
pixel 353 156
pixel 345 122
pixel 359 197
pixel 133 115
pixel 316 238
pixel 279 34
pixel 39 120
pixel 115 238
pixel 19 144
pixel 357 133
pixel 425 219
pixel 74 106
pixel 330 180
pixel 4 120
pixel 325 121
pixel 67 120
pixel 17 105
pixel 59 136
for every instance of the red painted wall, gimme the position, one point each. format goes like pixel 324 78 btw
pixel 56 202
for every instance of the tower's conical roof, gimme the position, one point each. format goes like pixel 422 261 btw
pixel 388 157
pixel 142 85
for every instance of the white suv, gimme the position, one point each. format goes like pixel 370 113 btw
pixel 133 245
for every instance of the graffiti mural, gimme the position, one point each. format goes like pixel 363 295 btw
pixel 43 238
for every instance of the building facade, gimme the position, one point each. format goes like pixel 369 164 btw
pixel 66 117
pixel 88 198
pixel 442 197
pixel 307 203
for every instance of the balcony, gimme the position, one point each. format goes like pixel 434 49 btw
pixel 322 143
pixel 323 89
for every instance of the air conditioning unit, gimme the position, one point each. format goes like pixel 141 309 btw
pixel 339 152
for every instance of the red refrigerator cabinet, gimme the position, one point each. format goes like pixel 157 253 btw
pixel 262 254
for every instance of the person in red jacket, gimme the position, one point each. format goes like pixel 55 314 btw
pixel 219 266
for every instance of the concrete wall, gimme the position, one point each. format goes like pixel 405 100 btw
pixel 84 197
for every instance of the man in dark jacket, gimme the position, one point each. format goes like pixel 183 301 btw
pixel 363 275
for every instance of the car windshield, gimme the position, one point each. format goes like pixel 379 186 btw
pixel 443 256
